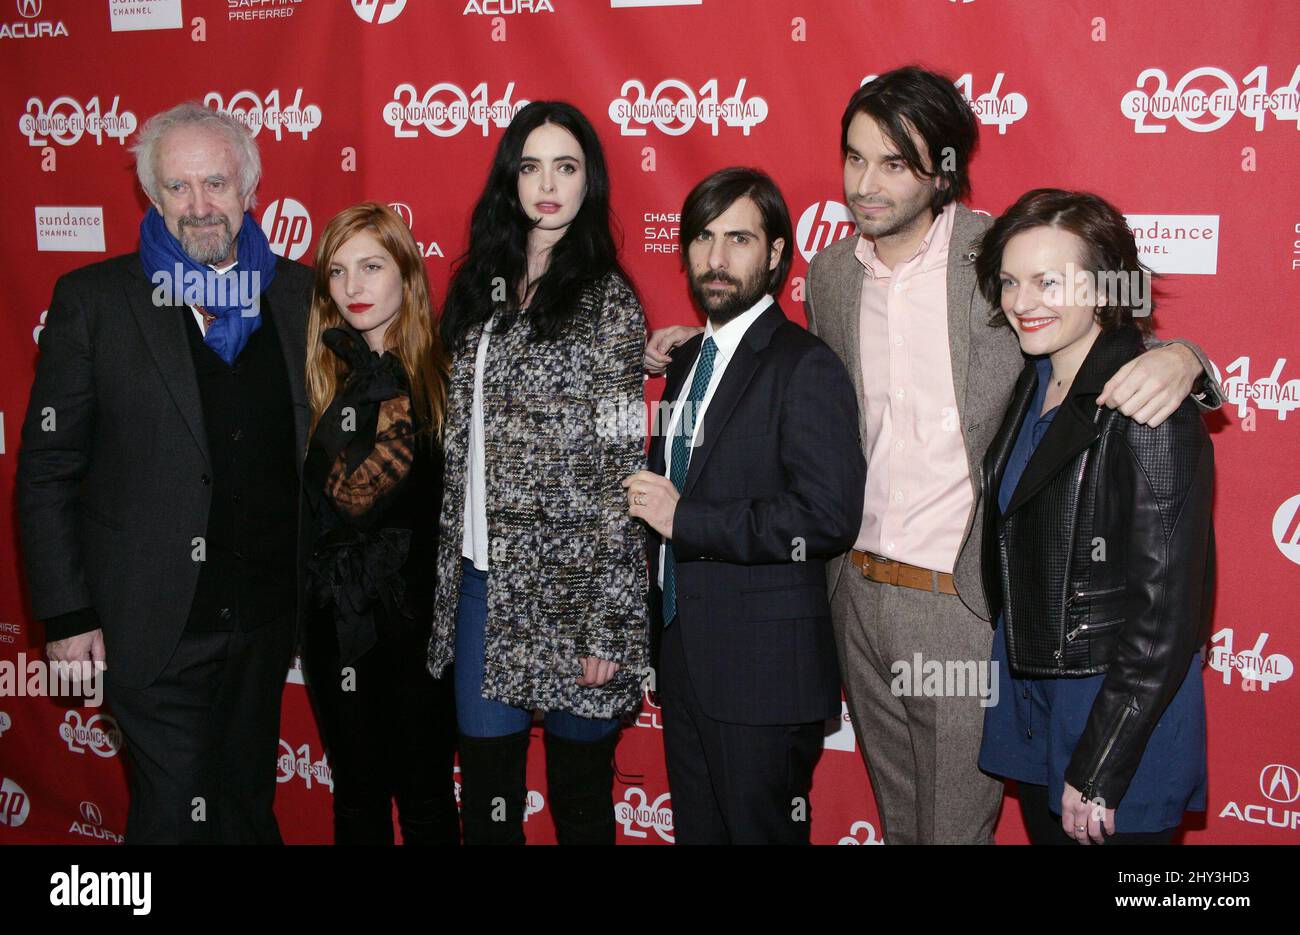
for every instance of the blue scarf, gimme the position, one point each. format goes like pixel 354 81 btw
pixel 181 278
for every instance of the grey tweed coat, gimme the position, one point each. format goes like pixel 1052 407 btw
pixel 567 569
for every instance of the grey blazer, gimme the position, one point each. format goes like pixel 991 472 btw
pixel 110 501
pixel 986 362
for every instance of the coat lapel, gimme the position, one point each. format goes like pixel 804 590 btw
pixel 961 287
pixel 683 360
pixel 740 370
pixel 163 329
pixel 1071 432
pixel 1077 423
pixel 848 295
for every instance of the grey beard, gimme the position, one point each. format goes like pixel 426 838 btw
pixel 197 249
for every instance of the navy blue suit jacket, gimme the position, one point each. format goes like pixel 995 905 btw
pixel 774 490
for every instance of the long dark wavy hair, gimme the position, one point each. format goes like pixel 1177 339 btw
pixel 498 239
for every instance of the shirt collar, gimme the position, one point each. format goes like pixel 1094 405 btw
pixel 931 252
pixel 728 337
pixel 219 272
pixel 1043 366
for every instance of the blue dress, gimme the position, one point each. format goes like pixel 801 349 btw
pixel 1031 733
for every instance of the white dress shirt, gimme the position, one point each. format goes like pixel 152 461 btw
pixel 727 338
pixel 198 316
pixel 474 543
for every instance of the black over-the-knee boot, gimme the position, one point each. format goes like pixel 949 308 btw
pixel 493 788
pixel 579 781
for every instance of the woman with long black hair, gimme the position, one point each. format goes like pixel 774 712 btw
pixel 542 580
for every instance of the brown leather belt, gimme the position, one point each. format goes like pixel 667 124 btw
pixel 888 571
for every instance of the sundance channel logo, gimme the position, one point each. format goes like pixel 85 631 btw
pixel 74 230
pixel 136 15
pixel 1177 243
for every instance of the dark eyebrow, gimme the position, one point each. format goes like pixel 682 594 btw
pixel 888 157
pixel 1038 275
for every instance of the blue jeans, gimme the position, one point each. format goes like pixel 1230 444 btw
pixel 477 716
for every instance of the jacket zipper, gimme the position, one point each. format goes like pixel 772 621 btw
pixel 1074 634
pixel 1086 791
pixel 1067 600
pixel 1059 653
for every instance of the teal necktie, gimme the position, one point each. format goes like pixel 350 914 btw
pixel 682 460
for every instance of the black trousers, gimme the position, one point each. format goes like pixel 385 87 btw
pixel 201 742
pixel 1044 826
pixel 390 728
pixel 732 783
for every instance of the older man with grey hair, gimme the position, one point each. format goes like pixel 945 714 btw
pixel 158 484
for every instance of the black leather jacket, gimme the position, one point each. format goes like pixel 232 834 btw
pixel 1104 558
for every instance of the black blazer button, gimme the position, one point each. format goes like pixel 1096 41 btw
pixel 224 613
pixel 205 480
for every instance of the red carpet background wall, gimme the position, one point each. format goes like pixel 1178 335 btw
pixel 1184 113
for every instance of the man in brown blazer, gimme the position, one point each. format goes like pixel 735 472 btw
pixel 900 306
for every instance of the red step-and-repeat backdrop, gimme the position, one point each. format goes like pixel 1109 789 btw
pixel 1185 113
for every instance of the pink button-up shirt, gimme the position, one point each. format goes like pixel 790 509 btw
pixel 919 493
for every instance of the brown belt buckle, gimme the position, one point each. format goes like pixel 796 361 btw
pixel 886 569
pixel 865 564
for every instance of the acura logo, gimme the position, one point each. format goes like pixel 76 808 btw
pixel 29 8
pixel 1280 783
pixel 404 212
pixel 90 812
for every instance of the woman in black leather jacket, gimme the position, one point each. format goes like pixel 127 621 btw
pixel 376 379
pixel 1099 558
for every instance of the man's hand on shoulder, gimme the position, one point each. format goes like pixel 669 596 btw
pixel 1150 388
pixel 658 349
